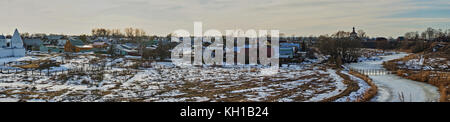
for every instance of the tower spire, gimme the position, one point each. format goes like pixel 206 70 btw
pixel 16 40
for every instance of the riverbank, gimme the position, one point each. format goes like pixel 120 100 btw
pixel 392 88
pixel 431 69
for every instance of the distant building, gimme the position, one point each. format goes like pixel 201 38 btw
pixel 401 38
pixel 54 37
pixel 354 35
pixel 287 52
pixel 296 46
pixel 51 49
pixel 77 46
pixel 32 44
pixel 125 50
pixel 12 47
pixel 100 45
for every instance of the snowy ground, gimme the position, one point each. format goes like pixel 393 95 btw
pixel 164 82
pixel 363 87
pixel 419 62
pixel 393 88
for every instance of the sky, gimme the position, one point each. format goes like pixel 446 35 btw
pixel 388 18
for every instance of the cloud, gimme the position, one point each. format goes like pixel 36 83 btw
pixel 302 17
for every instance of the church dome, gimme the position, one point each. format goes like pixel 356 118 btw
pixel 354 34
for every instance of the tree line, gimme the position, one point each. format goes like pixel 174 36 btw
pixel 133 33
pixel 421 41
pixel 430 34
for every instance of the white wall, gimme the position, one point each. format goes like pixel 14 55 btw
pixel 7 52
pixel 2 43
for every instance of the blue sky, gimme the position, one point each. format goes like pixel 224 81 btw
pixel 160 17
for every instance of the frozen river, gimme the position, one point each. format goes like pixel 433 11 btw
pixel 392 88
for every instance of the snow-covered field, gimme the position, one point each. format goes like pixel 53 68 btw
pixel 393 88
pixel 164 82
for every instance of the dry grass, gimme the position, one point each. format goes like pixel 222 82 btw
pixel 440 79
pixel 371 92
pixel 352 86
pixel 444 93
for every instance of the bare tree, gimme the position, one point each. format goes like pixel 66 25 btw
pixel 341 34
pixel 430 32
pixel 361 34
pixel 129 32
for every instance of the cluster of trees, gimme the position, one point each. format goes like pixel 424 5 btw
pixel 421 41
pixel 382 43
pixel 133 33
pixel 102 32
pixel 344 34
pixel 412 41
pixel 26 35
pixel 340 47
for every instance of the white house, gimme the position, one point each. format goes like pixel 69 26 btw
pixel 12 47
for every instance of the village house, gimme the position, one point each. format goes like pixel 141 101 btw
pixel 100 45
pixel 51 49
pixel 77 46
pixel 52 39
pixel 121 49
pixel 48 47
pixel 32 44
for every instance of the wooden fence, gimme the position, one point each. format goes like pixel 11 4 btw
pixel 372 72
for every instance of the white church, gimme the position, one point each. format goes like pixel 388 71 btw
pixel 12 47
